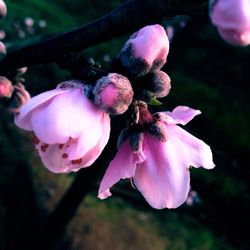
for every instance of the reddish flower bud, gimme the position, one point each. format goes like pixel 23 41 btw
pixel 158 83
pixel 113 93
pixel 3 9
pixel 6 87
pixel 145 51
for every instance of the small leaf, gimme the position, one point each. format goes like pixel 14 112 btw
pixel 154 102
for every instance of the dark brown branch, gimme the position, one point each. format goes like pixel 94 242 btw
pixel 86 180
pixel 132 15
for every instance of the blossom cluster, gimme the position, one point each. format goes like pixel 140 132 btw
pixel 71 125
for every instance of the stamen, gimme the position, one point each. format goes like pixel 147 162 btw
pixel 78 161
pixel 65 156
pixel 44 147
pixel 35 140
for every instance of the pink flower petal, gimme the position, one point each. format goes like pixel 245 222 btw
pixel 53 159
pixel 180 115
pixel 57 157
pixel 192 150
pixel 95 152
pixel 121 167
pixel 87 140
pixel 23 119
pixel 66 116
pixel 163 178
pixel 95 137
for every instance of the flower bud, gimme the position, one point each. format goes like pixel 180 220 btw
pixel 3 9
pixel 19 98
pixel 2 51
pixel 6 87
pixel 145 51
pixel 158 83
pixel 113 93
pixel 232 19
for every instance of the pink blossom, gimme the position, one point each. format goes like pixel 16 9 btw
pixel 160 169
pixel 70 131
pixel 232 19
pixel 145 51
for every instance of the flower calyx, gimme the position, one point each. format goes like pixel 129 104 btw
pixel 142 122
pixel 81 67
pixel 19 97
pixel 152 86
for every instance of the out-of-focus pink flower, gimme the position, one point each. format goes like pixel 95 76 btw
pixel 145 51
pixel 160 169
pixel 70 131
pixel 3 9
pixel 29 22
pixel 6 87
pixel 2 34
pixel 232 19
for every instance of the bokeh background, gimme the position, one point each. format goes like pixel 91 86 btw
pixel 206 73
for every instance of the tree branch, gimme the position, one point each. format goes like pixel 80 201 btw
pixel 130 16
pixel 56 224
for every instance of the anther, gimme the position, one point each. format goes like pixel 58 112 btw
pixel 35 140
pixel 44 147
pixel 65 156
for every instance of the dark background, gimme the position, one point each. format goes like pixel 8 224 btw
pixel 206 73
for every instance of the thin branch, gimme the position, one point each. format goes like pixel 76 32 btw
pixel 130 16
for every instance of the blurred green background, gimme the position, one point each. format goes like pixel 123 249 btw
pixel 206 73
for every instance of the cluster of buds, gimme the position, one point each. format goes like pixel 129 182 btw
pixel 72 124
pixel 142 58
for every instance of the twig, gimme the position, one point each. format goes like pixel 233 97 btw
pixel 129 17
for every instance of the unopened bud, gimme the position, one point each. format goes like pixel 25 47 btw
pixel 6 87
pixel 145 51
pixel 19 98
pixel 2 51
pixel 158 83
pixel 113 93
pixel 3 9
